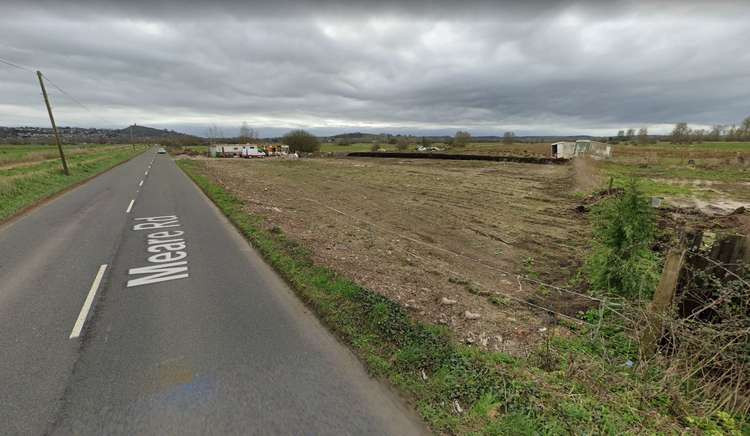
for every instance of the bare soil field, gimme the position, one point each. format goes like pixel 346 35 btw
pixel 450 240
pixel 480 247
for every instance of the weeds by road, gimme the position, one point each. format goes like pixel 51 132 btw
pixel 30 175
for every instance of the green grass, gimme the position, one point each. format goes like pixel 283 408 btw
pixel 674 177
pixel 13 154
pixel 33 178
pixel 720 145
pixel 574 384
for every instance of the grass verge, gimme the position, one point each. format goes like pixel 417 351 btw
pixel 575 384
pixel 23 187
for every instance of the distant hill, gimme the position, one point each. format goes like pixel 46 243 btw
pixel 148 132
pixel 70 135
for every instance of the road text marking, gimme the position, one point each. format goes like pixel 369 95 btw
pixel 167 251
pixel 130 206
pixel 87 304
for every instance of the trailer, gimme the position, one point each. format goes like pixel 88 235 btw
pixel 236 150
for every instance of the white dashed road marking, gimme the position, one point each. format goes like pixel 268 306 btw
pixel 87 304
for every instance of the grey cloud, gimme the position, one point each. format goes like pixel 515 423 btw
pixel 539 67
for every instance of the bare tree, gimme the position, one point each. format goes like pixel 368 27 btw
pixel 697 135
pixel 402 143
pixel 621 134
pixel 509 138
pixel 745 129
pixel 630 134
pixel 732 133
pixel 643 135
pixel 715 133
pixel 681 134
pixel 214 133
pixel 247 133
pixel 244 132
pixel 461 138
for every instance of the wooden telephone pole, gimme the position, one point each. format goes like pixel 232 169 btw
pixel 54 126
pixel 131 137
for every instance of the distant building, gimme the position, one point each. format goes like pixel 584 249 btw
pixel 582 147
pixel 226 150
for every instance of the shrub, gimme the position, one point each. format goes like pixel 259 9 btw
pixel 622 260
pixel 402 144
pixel 300 140
pixel 461 139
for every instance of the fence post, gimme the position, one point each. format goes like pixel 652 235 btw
pixel 663 298
pixel 732 251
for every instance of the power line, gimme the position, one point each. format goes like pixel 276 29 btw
pixel 53 84
pixel 66 93
pixel 15 65
pixel 78 102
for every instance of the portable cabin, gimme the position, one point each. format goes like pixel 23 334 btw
pixel 581 147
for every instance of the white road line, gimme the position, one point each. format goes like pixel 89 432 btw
pixel 141 184
pixel 130 206
pixel 87 304
pixel 146 173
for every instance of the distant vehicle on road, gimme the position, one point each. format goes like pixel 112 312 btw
pixel 161 150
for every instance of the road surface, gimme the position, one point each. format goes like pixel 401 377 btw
pixel 130 306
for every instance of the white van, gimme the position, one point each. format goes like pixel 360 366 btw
pixel 252 151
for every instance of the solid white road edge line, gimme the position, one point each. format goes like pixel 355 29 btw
pixel 87 304
pixel 130 206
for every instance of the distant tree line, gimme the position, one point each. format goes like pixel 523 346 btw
pixel 630 135
pixel 683 134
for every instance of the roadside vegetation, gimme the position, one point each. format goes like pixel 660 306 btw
pixel 30 174
pixel 622 259
pixel 695 335
pixel 585 375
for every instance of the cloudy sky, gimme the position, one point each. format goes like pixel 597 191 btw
pixel 548 67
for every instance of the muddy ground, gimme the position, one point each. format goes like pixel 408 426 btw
pixel 446 239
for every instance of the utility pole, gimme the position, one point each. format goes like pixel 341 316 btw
pixel 131 137
pixel 54 126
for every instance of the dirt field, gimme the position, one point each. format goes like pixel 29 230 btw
pixel 446 239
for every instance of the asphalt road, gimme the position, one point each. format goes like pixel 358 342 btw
pixel 135 308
